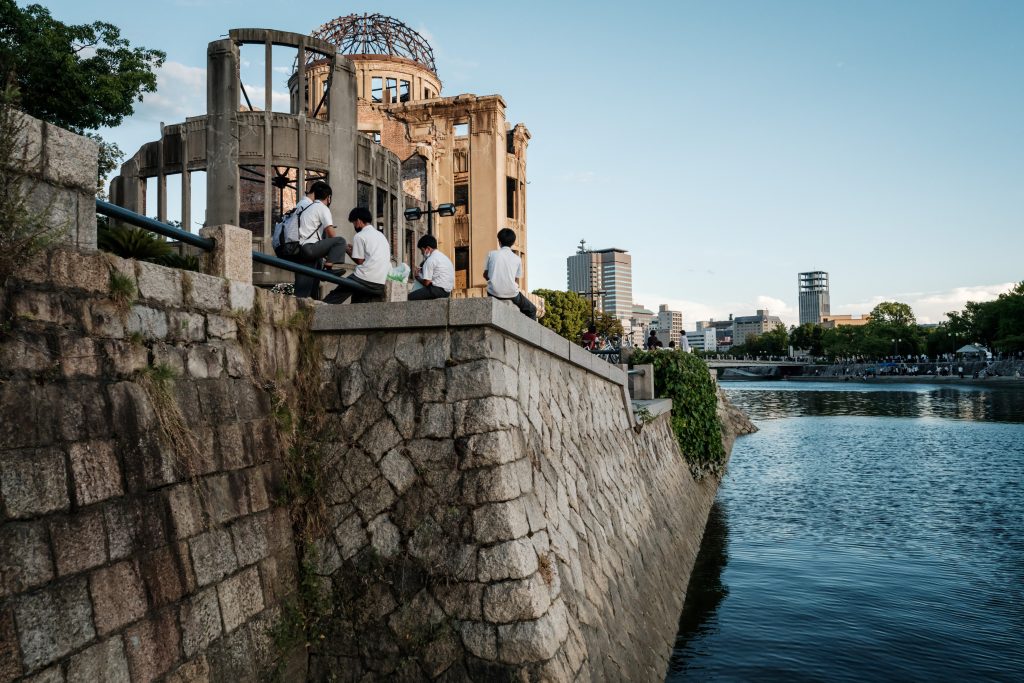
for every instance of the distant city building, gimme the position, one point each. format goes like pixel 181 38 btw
pixel 670 324
pixel 639 321
pixel 814 301
pixel 831 321
pixel 722 329
pixel 603 270
pixel 747 326
pixel 703 340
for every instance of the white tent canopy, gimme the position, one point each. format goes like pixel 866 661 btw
pixel 972 349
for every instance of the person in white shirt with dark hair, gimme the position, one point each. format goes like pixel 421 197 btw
pixel 437 274
pixel 503 270
pixel 372 255
pixel 316 237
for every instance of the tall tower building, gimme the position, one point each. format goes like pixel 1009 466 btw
pixel 603 270
pixel 814 303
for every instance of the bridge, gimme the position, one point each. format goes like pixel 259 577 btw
pixel 740 363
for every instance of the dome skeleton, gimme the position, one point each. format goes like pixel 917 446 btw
pixel 376 34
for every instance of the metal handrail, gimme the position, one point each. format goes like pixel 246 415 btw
pixel 122 214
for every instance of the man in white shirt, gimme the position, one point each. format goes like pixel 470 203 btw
pixel 503 270
pixel 316 237
pixel 372 255
pixel 437 274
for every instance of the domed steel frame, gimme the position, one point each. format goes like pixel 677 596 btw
pixel 376 34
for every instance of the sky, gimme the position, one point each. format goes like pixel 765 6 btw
pixel 727 145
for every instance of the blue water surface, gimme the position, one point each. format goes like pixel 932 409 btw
pixel 865 532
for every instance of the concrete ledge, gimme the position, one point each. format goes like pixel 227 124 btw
pixel 656 407
pixel 479 312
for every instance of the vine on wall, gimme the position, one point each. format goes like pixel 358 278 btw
pixel 685 378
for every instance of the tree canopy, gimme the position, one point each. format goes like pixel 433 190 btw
pixel 79 77
pixel 567 313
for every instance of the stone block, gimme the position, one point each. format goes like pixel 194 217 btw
pixel 213 556
pixel 396 291
pixel 204 362
pixel 69 159
pixel 132 526
pixel 485 415
pixel 27 150
pixel 194 671
pixel 221 327
pixel 533 641
pixel 172 357
pixel 42 307
pixel 241 296
pixel 251 539
pixel 159 284
pixel 95 471
pixel 186 327
pixel 53 622
pixel 207 292
pixel 152 646
pixel 200 621
pixel 185 510
pixel 380 438
pixel 419 351
pixel 10 658
pixel 490 449
pixel 496 484
pixel 397 469
pixel 476 379
pixel 435 421
pixel 375 498
pixel 148 322
pixel 480 639
pixel 161 574
pixel 380 316
pixel 460 600
pixel 510 560
pixel 75 269
pixel 105 661
pixel 500 521
pixel 125 358
pixel 33 482
pixel 241 597
pixel 78 357
pixel 350 536
pixel 231 257
pixel 79 541
pixel 222 498
pixel 475 343
pixel 416 619
pixel 51 675
pixel 517 600
pixel 118 597
pixel 384 536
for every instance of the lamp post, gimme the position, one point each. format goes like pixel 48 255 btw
pixel 443 210
pixel 895 348
pixel 592 294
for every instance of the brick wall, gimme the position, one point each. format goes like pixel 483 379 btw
pixel 129 550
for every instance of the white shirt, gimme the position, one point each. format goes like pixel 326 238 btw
pixel 315 217
pixel 371 244
pixel 439 269
pixel 503 268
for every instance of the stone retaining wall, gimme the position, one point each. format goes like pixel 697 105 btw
pixel 134 547
pixel 495 511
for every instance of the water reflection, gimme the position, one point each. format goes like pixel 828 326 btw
pixel 704 594
pixel 773 400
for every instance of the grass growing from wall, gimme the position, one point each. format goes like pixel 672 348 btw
pixel 684 378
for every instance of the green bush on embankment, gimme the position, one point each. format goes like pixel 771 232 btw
pixel 684 378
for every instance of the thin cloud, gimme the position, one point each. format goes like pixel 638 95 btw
pixel 930 307
pixel 180 92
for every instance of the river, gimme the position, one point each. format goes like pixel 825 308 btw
pixel 864 533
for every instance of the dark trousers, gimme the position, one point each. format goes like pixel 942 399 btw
pixel 525 306
pixel 429 292
pixel 331 248
pixel 340 295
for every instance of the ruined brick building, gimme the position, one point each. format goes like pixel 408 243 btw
pixel 367 115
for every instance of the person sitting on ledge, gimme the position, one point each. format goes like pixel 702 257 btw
pixel 436 274
pixel 372 255
pixel 503 270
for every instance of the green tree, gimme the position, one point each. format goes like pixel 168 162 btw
pixel 808 337
pixel 997 324
pixel 79 77
pixel 608 325
pixel 567 313
pixel 892 320
pixel 893 313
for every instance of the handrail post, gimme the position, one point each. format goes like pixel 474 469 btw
pixel 231 257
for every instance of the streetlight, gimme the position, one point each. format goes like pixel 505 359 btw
pixel 895 347
pixel 443 210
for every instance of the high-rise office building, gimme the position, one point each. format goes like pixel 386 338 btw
pixel 814 303
pixel 608 271
pixel 670 324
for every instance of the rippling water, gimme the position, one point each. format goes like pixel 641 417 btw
pixel 865 533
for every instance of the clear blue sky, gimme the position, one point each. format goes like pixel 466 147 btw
pixel 727 145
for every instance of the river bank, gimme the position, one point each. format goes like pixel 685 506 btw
pixel 909 379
